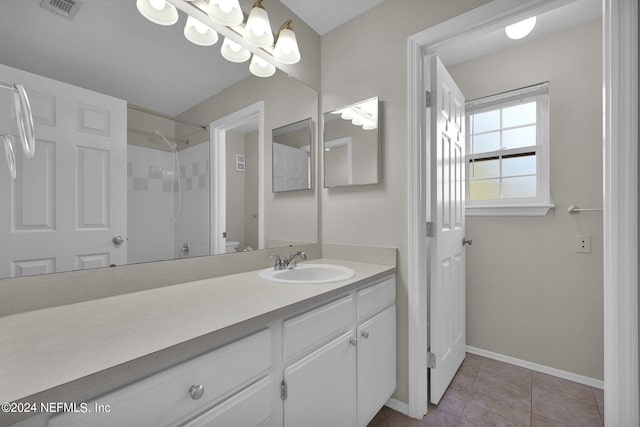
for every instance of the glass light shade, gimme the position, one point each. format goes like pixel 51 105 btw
pixel 225 12
pixel 370 125
pixel 520 29
pixel 286 50
pixel 358 121
pixel 257 31
pixel 232 51
pixel 198 33
pixel 347 114
pixel 261 68
pixel 158 11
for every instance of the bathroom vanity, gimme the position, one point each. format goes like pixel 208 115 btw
pixel 278 354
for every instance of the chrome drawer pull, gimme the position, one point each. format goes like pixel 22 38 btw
pixel 196 391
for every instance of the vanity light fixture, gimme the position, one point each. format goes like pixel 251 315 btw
pixel 258 28
pixel 208 18
pixel 261 68
pixel 198 33
pixel 520 29
pixel 158 11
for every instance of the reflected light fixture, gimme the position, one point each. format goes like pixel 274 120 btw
pixel 520 29
pixel 198 33
pixel 158 11
pixel 206 19
pixel 364 114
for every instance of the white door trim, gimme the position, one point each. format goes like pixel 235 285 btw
pixel 217 172
pixel 620 195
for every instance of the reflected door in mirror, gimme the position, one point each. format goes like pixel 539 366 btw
pixel 52 220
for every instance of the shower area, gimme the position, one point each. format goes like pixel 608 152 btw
pixel 167 189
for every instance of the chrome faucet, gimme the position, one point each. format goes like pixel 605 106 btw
pixel 290 263
pixel 287 263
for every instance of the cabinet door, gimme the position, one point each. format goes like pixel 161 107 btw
pixel 376 363
pixel 252 407
pixel 321 388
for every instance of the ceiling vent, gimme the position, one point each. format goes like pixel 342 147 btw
pixel 65 8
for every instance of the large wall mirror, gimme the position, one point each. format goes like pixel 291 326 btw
pixel 115 183
pixel 292 154
pixel 351 145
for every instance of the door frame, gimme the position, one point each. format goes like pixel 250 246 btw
pixel 620 140
pixel 217 172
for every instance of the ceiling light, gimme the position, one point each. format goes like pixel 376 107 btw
pixel 225 12
pixel 158 11
pixel 261 68
pixel 257 31
pixel 520 29
pixel 232 51
pixel 198 33
pixel 286 50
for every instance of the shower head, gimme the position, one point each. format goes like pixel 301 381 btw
pixel 161 135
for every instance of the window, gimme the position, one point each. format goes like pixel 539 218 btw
pixel 508 153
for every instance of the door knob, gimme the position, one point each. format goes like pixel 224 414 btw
pixel 353 341
pixel 466 241
pixel 364 334
pixel 117 240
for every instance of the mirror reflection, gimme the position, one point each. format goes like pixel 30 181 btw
pixel 292 156
pixel 124 171
pixel 351 145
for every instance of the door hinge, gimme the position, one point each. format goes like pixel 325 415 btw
pixel 428 99
pixel 283 390
pixel 431 360
pixel 224 234
pixel 429 229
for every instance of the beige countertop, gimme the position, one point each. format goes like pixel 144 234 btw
pixel 45 349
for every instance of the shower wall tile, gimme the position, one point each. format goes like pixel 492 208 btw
pixel 195 169
pixel 203 180
pixel 166 186
pixel 189 183
pixel 155 172
pixel 129 169
pixel 140 184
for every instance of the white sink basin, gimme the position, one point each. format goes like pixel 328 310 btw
pixel 308 274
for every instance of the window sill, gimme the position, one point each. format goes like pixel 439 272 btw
pixel 512 210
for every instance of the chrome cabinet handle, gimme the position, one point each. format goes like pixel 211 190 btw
pixel 117 240
pixel 196 391
pixel 353 341
pixel 364 334
pixel 466 241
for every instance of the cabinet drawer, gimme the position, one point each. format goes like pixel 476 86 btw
pixel 310 329
pixel 164 398
pixel 252 407
pixel 376 298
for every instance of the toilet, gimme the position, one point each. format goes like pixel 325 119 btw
pixel 232 246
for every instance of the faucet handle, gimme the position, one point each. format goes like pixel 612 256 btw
pixel 278 261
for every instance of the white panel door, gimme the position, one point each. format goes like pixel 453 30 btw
pixel 67 203
pixel 290 168
pixel 321 387
pixel 376 363
pixel 447 281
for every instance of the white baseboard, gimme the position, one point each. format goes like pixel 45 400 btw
pixel 535 367
pixel 396 405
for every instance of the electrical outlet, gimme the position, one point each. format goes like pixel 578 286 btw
pixel 583 244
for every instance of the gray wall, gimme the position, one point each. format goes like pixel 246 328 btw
pixel 363 58
pixel 529 294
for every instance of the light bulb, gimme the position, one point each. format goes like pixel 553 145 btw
pixel 347 114
pixel 157 4
pixel 520 29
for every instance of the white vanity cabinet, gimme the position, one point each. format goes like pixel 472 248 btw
pixel 343 370
pixel 176 395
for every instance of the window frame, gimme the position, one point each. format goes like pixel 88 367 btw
pixel 533 206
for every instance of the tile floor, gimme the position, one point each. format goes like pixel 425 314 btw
pixel 486 392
